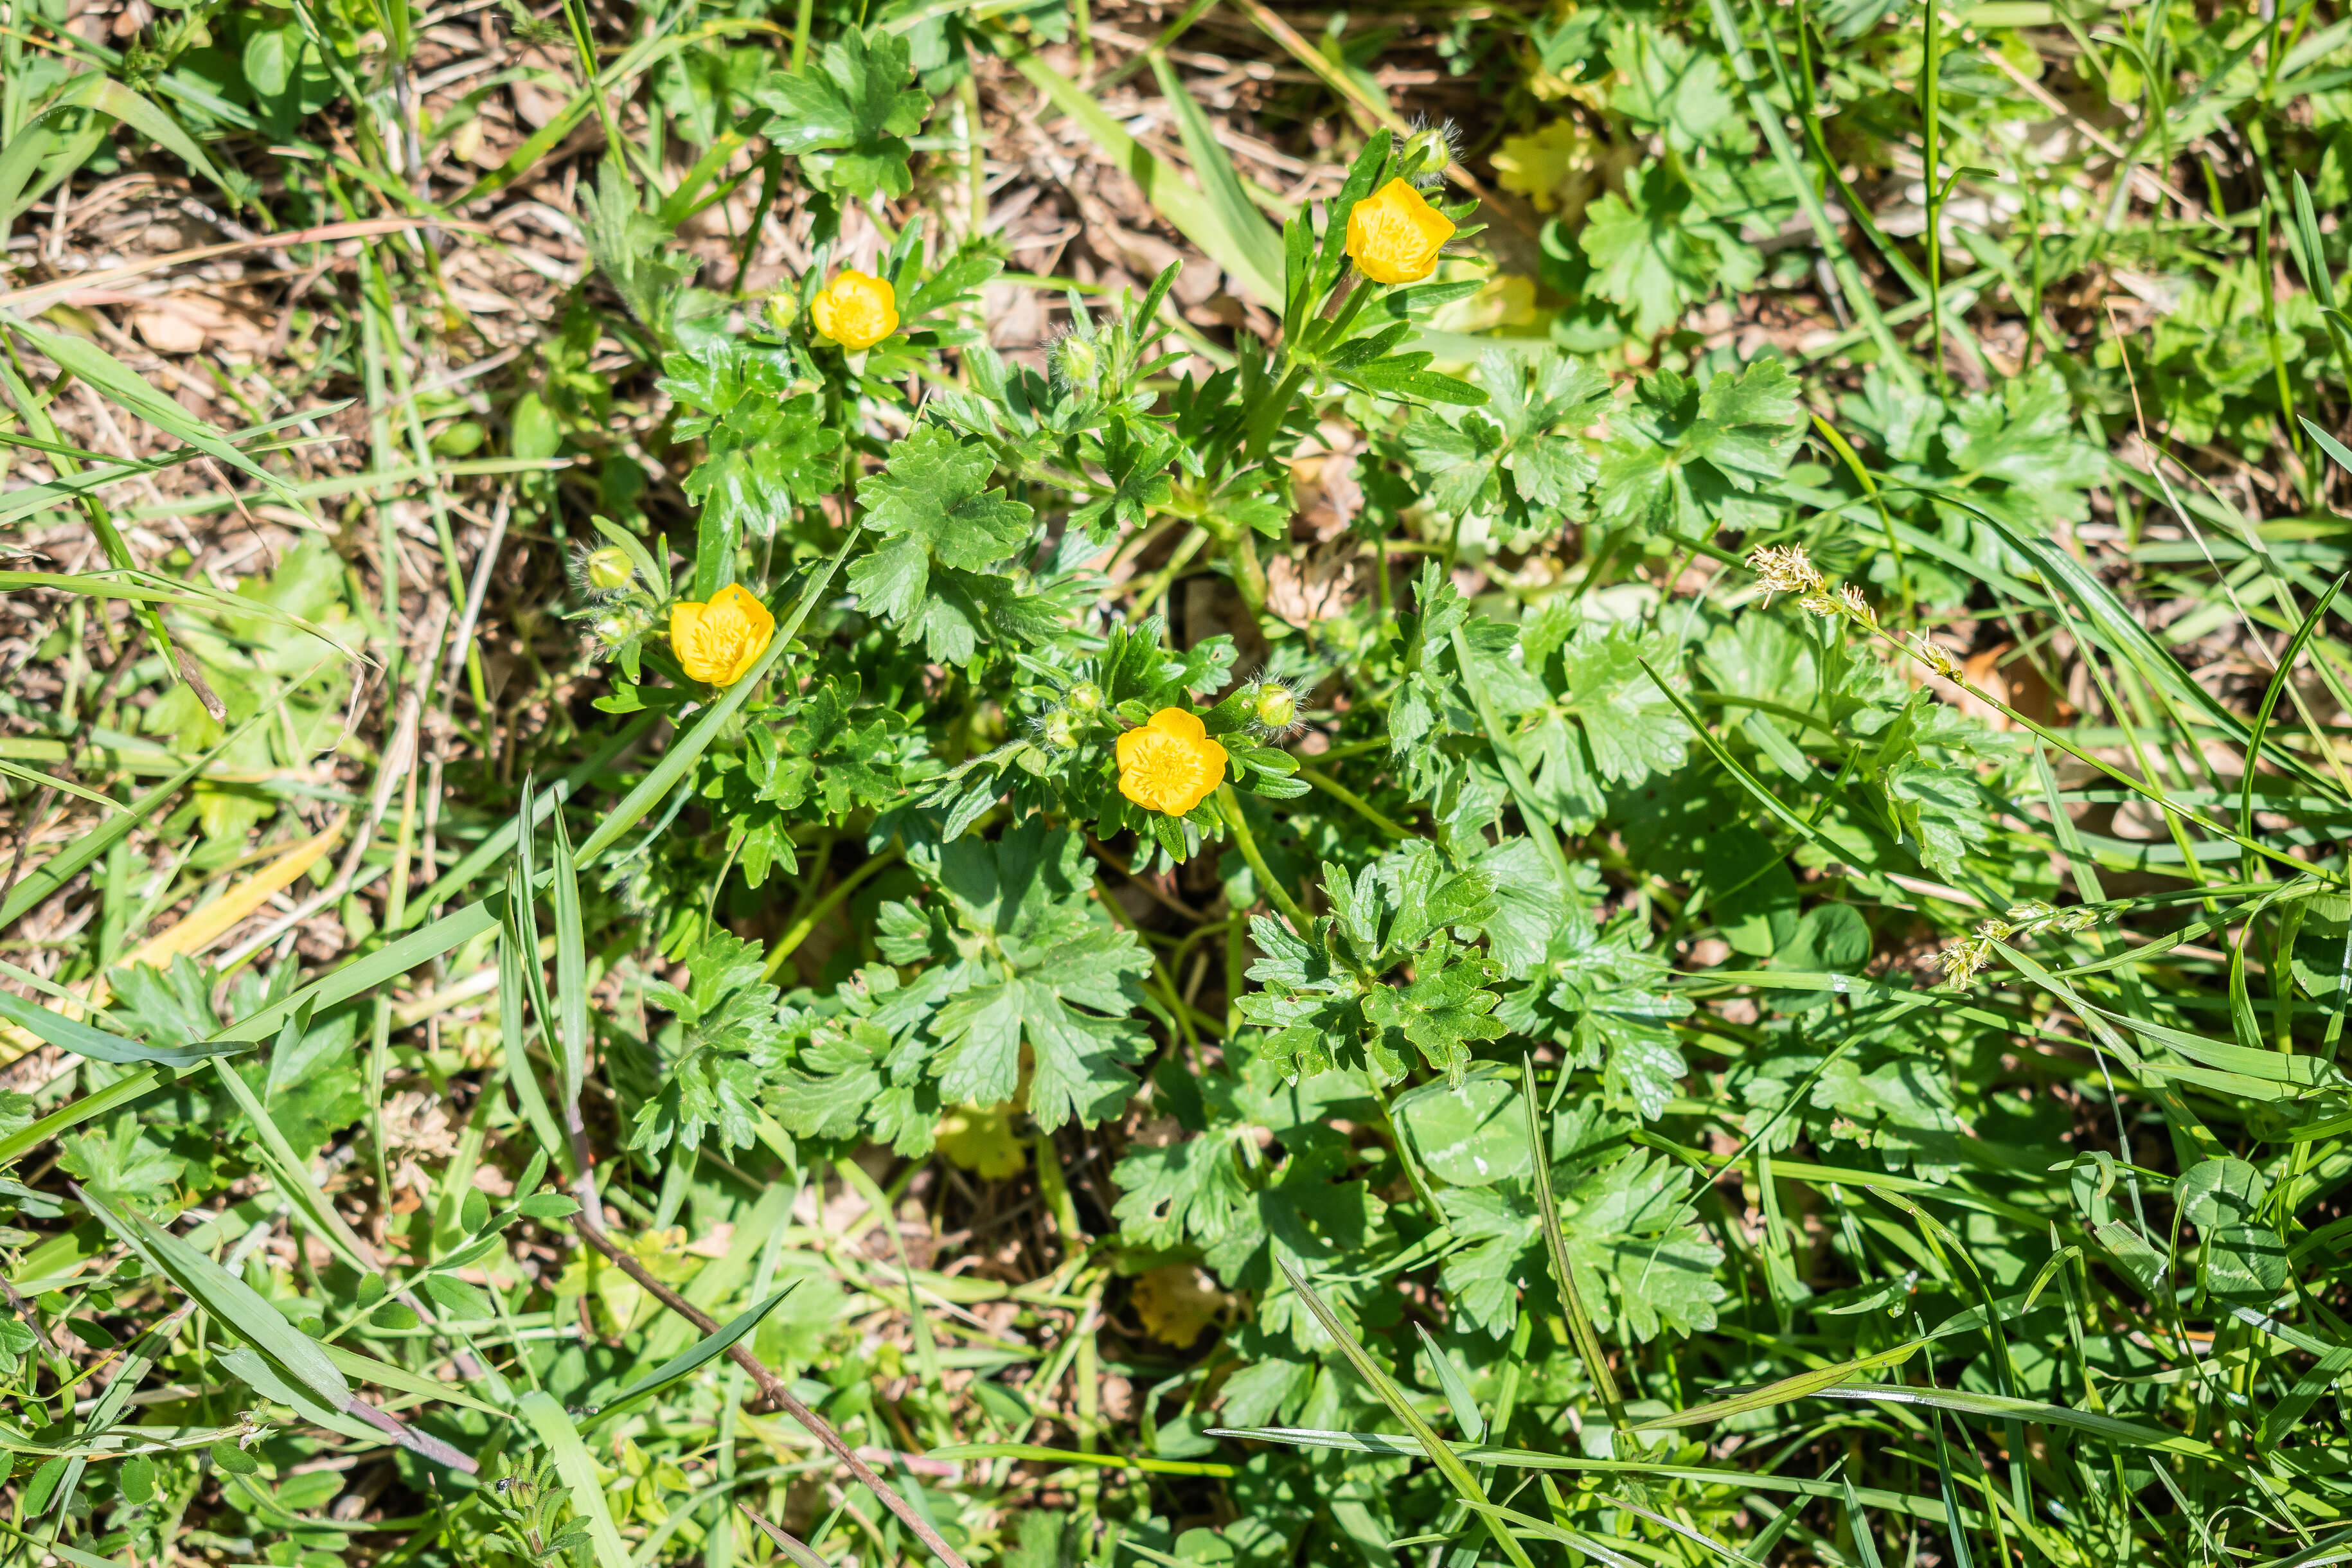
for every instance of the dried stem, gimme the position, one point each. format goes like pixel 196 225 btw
pixel 777 1393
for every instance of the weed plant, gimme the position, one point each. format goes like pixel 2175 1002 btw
pixel 1668 890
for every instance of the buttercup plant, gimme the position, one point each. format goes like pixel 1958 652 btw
pixel 1350 918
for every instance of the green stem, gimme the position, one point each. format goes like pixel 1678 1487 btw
pixel 1353 802
pixel 800 929
pixel 1404 1154
pixel 1930 122
pixel 1246 842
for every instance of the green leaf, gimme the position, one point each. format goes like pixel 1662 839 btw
pixel 2240 1255
pixel 1697 458
pixel 232 1303
pixel 1016 953
pixel 1445 1007
pixel 1666 85
pixel 854 103
pixel 578 1469
pixel 704 1351
pixel 1469 1134
pixel 731 1040
pixel 942 526
pixel 1655 251
pixel 70 1035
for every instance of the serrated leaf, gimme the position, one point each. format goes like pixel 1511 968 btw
pixel 854 102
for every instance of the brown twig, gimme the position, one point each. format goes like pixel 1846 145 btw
pixel 423 1444
pixel 778 1395
pixel 31 1320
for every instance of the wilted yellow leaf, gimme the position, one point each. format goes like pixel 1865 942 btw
pixel 1561 167
pixel 981 1141
pixel 1176 1301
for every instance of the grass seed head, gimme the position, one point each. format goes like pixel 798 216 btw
pixel 1785 569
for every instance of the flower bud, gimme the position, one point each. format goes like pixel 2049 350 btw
pixel 1087 697
pixel 609 568
pixel 1058 732
pixel 1426 151
pixel 1275 706
pixel 783 311
pixel 1079 359
pixel 614 630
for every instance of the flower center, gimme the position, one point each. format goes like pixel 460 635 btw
pixel 718 639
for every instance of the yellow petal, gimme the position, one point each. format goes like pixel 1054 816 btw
pixel 1394 235
pixel 1179 722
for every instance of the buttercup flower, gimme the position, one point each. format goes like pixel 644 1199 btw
pixel 721 641
pixel 1170 765
pixel 1394 235
pixel 854 310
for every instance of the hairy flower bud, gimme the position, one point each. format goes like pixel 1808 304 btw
pixel 1079 359
pixel 608 569
pixel 1087 697
pixel 1275 706
pixel 1058 732
pixel 1426 151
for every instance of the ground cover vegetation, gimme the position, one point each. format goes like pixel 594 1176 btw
pixel 1040 781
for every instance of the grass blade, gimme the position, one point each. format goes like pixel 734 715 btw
pixel 122 1091
pixel 80 357
pixel 68 1034
pixel 1190 213
pixel 573 1463
pixel 234 1304
pixel 1449 1464
pixel 1580 1321
pixel 1244 229
pixel 704 1351
pixel 53 873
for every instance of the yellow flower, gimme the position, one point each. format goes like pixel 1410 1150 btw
pixel 1170 765
pixel 1393 235
pixel 856 311
pixel 721 641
